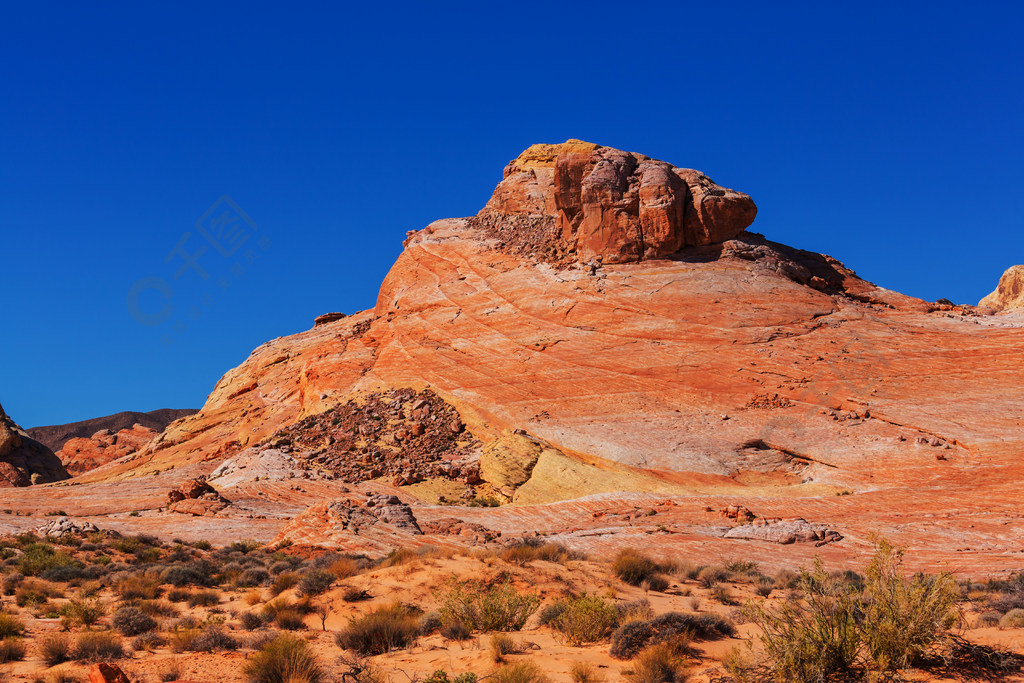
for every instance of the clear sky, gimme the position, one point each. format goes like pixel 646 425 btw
pixel 885 134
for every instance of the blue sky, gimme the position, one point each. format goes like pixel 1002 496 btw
pixel 887 135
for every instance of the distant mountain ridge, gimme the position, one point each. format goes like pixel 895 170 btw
pixel 55 436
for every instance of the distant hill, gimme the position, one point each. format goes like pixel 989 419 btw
pixel 55 436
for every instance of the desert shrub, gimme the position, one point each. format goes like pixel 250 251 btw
pixel 183 637
pixel 529 550
pixel 285 659
pixel 586 619
pixel 131 621
pixel 722 595
pixel 98 646
pixel 181 575
pixel 584 672
pixel 988 619
pixel 709 577
pixel 634 636
pixel 250 621
pixel 520 672
pixel 33 592
pixel 355 595
pixel 430 622
pixel 659 663
pixel 1012 619
pixel 634 610
pixel 55 648
pixel 633 567
pixel 157 608
pixel 212 638
pixel 254 576
pixel 289 619
pixel 655 582
pixel 83 611
pixel 764 590
pixel 12 650
pixel 903 618
pixel 204 598
pixel 441 676
pixel 39 557
pixel 178 594
pixel 503 644
pixel 486 608
pixel 10 626
pixel 455 631
pixel 11 582
pixel 382 630
pixel 138 588
pixel 806 640
pixel 65 572
pixel 551 612
pixel 171 671
pixel 786 578
pixel 147 642
pixel 315 581
pixel 283 582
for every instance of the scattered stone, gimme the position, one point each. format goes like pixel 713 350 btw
pixel 60 526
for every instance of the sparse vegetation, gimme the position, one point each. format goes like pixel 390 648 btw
pixel 382 630
pixel 524 671
pixel 98 646
pixel 285 659
pixel 586 619
pixel 481 607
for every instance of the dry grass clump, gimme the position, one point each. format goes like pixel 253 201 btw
pixel 1012 619
pixel 531 549
pixel 10 626
pixel 524 671
pixel 315 581
pixel 633 567
pixel 283 582
pixel 286 659
pixel 382 630
pixel 584 672
pixel 204 598
pixel 98 646
pixel 138 588
pixel 55 648
pixel 503 644
pixel 344 567
pixel 12 650
pixel 659 663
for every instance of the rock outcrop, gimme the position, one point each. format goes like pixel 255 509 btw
pixel 62 526
pixel 79 455
pixel 1009 295
pixel 23 460
pixel 710 375
pixel 785 531
pixel 196 497
pixel 602 203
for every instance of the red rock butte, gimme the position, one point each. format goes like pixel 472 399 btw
pixel 606 353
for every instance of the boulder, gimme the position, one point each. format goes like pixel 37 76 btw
pixel 105 672
pixel 1009 295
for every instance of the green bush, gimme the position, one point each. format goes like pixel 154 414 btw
pixel 441 676
pixel 40 557
pixel 586 619
pixel 903 618
pixel 286 659
pixel 379 631
pixel 315 581
pixel 478 606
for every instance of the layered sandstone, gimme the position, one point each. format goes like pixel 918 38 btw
pixel 1009 295
pixel 621 399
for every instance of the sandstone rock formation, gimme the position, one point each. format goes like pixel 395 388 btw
pixel 619 207
pixel 79 455
pixel 1009 295
pixel 55 436
pixel 785 531
pixel 591 393
pixel 23 460
pixel 196 497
